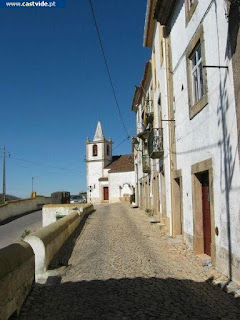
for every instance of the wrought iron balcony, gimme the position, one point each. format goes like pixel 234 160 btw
pixel 146 163
pixel 155 143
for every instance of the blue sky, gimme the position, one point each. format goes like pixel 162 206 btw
pixel 54 88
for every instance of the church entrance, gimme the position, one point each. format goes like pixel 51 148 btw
pixel 105 193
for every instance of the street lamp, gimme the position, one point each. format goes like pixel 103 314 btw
pixel 135 144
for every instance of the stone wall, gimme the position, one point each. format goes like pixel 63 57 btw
pixel 17 270
pixel 51 212
pixel 15 208
pixel 21 263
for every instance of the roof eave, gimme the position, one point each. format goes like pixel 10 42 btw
pixel 149 24
pixel 147 74
pixel 163 11
pixel 136 99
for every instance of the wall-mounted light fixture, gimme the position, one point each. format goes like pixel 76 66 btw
pixel 135 143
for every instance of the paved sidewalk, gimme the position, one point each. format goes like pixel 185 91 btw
pixel 122 268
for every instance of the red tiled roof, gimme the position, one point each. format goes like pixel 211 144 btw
pixel 123 163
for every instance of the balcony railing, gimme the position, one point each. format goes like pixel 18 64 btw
pixel 155 143
pixel 146 163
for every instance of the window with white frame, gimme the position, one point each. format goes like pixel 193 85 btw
pixel 197 74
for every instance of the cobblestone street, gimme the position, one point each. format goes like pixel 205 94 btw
pixel 122 268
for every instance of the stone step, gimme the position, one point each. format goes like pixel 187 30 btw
pixel 154 220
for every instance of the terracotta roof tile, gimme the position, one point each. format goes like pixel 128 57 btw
pixel 123 163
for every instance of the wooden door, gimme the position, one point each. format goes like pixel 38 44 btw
pixel 206 219
pixel 177 206
pixel 105 193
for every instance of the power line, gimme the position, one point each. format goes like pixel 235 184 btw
pixel 121 143
pixel 107 67
pixel 38 163
pixel 42 165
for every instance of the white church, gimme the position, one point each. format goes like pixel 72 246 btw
pixel 109 178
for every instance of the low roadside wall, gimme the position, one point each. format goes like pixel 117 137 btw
pixel 15 208
pixel 47 241
pixel 50 212
pixel 22 262
pixel 17 270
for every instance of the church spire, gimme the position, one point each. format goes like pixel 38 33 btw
pixel 99 135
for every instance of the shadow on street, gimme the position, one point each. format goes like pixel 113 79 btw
pixel 125 298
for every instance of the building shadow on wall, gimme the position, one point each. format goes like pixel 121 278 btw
pixel 227 160
pixel 137 298
pixel 229 153
pixel 233 21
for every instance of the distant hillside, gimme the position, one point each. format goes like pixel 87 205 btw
pixel 8 197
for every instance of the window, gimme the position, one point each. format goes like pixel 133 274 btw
pixel 161 45
pixel 154 68
pixel 190 3
pixel 190 9
pixel 108 150
pixel 161 52
pixel 95 150
pixel 196 74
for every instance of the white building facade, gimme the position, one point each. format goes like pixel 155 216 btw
pixel 109 178
pixel 193 181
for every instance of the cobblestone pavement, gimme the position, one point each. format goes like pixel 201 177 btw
pixel 122 268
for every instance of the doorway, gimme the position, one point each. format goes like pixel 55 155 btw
pixel 202 213
pixel 206 214
pixel 203 209
pixel 156 194
pixel 105 193
pixel 177 207
pixel 163 214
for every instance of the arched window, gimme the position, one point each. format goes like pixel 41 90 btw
pixel 108 150
pixel 95 150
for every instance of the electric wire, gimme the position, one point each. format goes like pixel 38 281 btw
pixel 107 67
pixel 38 164
pixel 120 143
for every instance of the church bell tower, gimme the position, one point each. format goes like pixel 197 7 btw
pixel 98 156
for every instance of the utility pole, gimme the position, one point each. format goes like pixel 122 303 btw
pixel 4 175
pixel 34 177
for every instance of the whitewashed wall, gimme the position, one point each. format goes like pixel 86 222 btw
pixel 161 91
pixel 213 132
pixel 94 172
pixel 117 180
